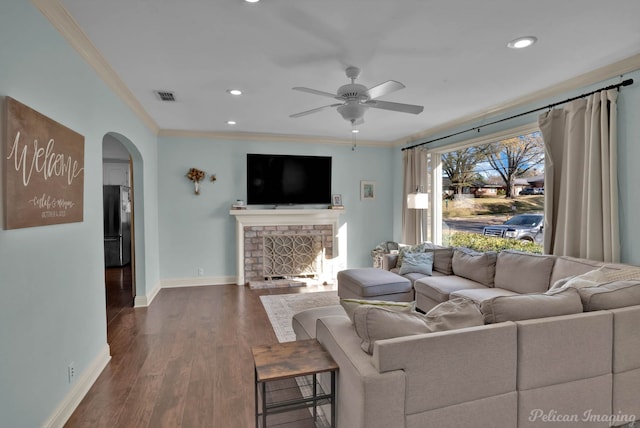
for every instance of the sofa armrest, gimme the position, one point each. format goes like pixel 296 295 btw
pixel 366 398
pixel 389 261
pixel 454 366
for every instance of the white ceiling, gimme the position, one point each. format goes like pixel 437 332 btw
pixel 451 55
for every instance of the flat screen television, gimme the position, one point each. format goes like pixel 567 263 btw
pixel 288 179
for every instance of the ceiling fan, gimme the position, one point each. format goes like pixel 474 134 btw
pixel 356 98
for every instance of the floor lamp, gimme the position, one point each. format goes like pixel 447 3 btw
pixel 419 201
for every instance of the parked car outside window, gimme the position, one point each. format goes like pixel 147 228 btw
pixel 532 191
pixel 528 227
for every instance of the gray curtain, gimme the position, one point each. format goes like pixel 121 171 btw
pixel 414 163
pixel 581 185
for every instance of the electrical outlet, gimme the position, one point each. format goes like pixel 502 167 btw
pixel 200 271
pixel 71 371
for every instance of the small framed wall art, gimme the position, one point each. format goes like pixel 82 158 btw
pixel 368 190
pixel 336 200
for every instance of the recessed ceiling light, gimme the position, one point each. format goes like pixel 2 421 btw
pixel 231 122
pixel 234 91
pixel 522 42
pixel 252 1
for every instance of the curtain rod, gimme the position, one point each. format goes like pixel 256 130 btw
pixel 550 106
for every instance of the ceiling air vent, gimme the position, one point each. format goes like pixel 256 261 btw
pixel 165 95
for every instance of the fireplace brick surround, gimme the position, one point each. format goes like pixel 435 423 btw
pixel 255 257
pixel 321 225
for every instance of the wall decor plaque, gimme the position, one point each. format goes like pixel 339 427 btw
pixel 43 169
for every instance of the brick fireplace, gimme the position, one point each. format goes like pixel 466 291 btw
pixel 287 243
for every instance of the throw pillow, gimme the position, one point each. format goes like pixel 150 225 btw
pixel 552 303
pixel 479 267
pixel 454 313
pixel 418 248
pixel 350 305
pixel 417 263
pixel 588 279
pixel 374 323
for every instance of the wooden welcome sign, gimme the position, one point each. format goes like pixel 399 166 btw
pixel 43 169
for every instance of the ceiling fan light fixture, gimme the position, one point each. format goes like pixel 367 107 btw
pixel 352 111
pixel 357 99
pixel 522 42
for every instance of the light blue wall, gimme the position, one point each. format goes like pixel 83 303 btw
pixel 52 298
pixel 628 158
pixel 52 307
pixel 629 169
pixel 197 230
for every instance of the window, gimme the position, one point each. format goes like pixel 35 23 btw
pixel 486 182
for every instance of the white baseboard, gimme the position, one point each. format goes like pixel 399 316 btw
pixel 146 299
pixel 66 408
pixel 197 281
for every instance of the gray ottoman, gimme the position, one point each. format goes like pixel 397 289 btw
pixel 374 284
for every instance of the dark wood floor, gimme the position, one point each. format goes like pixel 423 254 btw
pixel 185 361
pixel 118 290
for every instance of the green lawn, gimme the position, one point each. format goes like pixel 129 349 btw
pixel 468 207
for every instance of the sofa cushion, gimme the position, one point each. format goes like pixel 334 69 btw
pixel 479 267
pixel 442 259
pixel 417 263
pixel 350 305
pixel 304 322
pixel 611 295
pixel 376 323
pixel 439 288
pixel 605 288
pixel 523 272
pixel 552 303
pixel 479 295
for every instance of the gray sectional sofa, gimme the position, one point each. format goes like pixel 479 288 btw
pixel 569 357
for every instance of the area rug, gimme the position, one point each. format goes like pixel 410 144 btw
pixel 281 308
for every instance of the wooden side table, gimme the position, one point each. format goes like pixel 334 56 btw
pixel 290 360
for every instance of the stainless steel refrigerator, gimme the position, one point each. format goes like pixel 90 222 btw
pixel 117 225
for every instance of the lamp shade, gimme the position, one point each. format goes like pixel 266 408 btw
pixel 418 201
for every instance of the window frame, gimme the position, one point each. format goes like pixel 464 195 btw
pixel 434 169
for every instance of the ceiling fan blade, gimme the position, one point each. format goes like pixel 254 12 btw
pixel 316 92
pixel 384 88
pixel 304 113
pixel 403 108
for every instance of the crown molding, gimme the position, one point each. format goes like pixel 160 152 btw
pixel 67 26
pixel 615 69
pixel 282 138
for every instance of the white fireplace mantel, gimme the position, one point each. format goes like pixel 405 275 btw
pixel 284 217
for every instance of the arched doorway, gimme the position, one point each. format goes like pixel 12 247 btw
pixel 121 183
